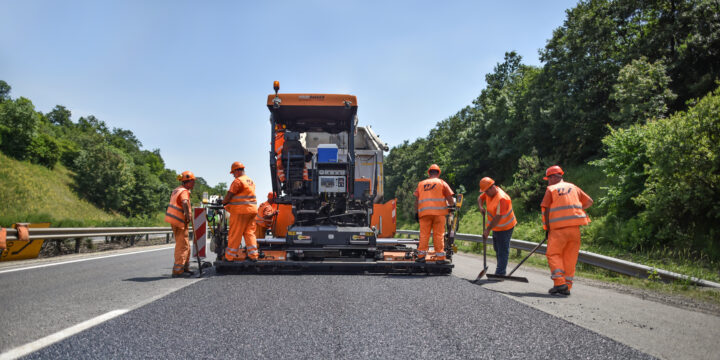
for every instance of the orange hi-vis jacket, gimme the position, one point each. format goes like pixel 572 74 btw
pixel 279 142
pixel 244 201
pixel 565 209
pixel 507 220
pixel 264 209
pixel 174 213
pixel 431 195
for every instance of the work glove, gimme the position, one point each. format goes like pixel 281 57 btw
pixel 452 208
pixel 417 217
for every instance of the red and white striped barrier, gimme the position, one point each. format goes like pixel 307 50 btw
pixel 200 231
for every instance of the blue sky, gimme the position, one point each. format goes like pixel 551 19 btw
pixel 191 77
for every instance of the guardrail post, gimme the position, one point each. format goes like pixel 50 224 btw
pixel 147 237
pixel 167 238
pixel 519 252
pixel 132 240
pixel 77 245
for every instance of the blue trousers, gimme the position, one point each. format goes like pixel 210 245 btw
pixel 501 245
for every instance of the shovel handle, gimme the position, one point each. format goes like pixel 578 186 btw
pixel 530 254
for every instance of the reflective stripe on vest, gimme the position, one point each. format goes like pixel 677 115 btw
pixel 507 220
pixel 565 209
pixel 243 202
pixel 431 200
pixel 174 214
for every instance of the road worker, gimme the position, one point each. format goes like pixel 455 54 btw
pixel 279 143
pixel 241 203
pixel 502 220
pixel 433 201
pixel 563 212
pixel 265 216
pixel 178 214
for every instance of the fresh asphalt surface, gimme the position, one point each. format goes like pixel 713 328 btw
pixel 278 316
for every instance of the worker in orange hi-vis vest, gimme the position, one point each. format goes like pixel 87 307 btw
pixel 241 203
pixel 498 207
pixel 265 214
pixel 279 143
pixel 433 201
pixel 563 212
pixel 178 215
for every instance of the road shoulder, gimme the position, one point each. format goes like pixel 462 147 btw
pixel 661 328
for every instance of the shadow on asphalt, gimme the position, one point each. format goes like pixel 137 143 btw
pixel 148 279
pixel 536 295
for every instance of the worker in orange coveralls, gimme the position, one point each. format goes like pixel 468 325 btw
pixel 264 218
pixel 241 203
pixel 433 201
pixel 279 143
pixel 178 215
pixel 563 212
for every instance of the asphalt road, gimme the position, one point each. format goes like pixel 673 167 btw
pixel 278 316
pixel 41 301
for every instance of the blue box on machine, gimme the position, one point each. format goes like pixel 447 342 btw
pixel 327 153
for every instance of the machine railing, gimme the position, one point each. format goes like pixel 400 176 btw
pixel 586 257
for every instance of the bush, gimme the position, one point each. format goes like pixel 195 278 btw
pixel 43 150
pixel 528 184
pixel 667 173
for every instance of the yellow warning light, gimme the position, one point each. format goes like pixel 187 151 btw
pixel 276 85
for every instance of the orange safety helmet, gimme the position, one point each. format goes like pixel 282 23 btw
pixel 236 165
pixel 552 171
pixel 434 167
pixel 186 176
pixel 486 183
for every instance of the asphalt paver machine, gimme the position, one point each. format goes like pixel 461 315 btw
pixel 327 176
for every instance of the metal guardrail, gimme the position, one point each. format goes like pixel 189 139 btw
pixel 58 234
pixel 601 261
pixel 586 257
pixel 69 233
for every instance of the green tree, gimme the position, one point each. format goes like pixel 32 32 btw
pixel 104 176
pixel 4 91
pixel 642 92
pixel 19 125
pixel 60 116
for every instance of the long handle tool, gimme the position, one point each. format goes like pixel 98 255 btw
pixel 485 267
pixel 518 278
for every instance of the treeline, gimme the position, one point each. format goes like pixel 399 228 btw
pixel 625 85
pixel 111 169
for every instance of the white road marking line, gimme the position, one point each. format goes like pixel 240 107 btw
pixel 60 335
pixel 80 260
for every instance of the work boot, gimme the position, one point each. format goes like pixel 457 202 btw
pixel 181 275
pixel 252 259
pixel 441 262
pixel 188 271
pixel 420 260
pixel 559 290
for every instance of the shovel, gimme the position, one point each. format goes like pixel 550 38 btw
pixel 517 278
pixel 485 267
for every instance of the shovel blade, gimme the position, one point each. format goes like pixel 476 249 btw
pixel 481 274
pixel 505 277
